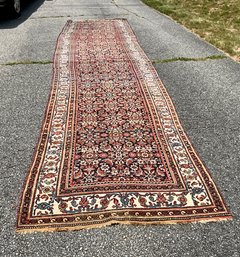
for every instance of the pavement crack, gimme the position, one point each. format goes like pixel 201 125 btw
pixel 25 62
pixel 156 61
pixel 56 17
pixel 186 59
pixel 131 12
pixel 48 17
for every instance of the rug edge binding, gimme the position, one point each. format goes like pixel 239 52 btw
pixel 122 222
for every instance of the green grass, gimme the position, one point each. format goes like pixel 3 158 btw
pixel 217 21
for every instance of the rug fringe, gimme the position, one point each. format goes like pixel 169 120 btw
pixel 122 222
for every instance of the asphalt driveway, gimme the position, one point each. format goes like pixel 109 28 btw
pixel 206 95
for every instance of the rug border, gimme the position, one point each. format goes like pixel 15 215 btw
pixel 42 125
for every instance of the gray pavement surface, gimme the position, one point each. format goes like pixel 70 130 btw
pixel 206 95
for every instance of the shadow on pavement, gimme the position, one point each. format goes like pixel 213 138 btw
pixel 28 7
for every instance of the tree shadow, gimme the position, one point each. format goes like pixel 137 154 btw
pixel 28 8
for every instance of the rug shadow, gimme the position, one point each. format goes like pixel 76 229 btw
pixel 28 8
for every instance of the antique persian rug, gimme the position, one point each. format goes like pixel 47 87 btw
pixel 112 149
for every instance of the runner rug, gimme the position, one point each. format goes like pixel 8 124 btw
pixel 112 149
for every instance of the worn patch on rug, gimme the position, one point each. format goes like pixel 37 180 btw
pixel 112 149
